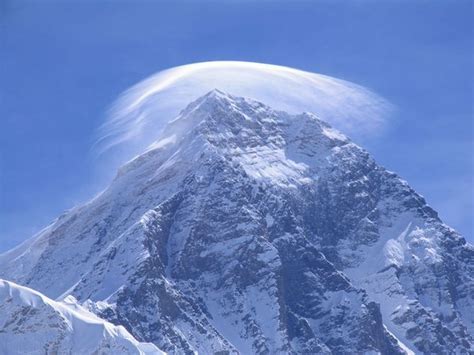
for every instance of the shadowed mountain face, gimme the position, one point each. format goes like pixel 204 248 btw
pixel 248 230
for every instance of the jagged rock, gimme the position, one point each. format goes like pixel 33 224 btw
pixel 248 230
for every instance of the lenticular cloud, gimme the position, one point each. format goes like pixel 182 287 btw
pixel 139 114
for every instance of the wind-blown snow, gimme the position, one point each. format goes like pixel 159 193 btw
pixel 139 114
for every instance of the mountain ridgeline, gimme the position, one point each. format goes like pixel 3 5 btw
pixel 248 230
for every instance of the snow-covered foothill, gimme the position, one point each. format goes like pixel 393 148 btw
pixel 31 323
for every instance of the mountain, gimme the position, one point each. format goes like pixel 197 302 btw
pixel 248 230
pixel 31 323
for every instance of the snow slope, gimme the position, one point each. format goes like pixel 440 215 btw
pixel 249 230
pixel 31 323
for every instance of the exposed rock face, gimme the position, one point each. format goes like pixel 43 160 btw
pixel 249 230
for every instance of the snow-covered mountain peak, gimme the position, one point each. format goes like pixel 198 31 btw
pixel 216 94
pixel 214 103
pixel 268 144
pixel 145 108
pixel 247 229
pixel 223 118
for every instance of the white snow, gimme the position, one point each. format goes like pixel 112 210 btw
pixel 141 111
pixel 163 142
pixel 334 134
pixel 269 219
pixel 94 251
pixel 31 323
pixel 272 164
pixel 15 261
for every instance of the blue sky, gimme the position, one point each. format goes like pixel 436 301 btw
pixel 63 62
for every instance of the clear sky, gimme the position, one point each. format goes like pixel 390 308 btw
pixel 63 62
